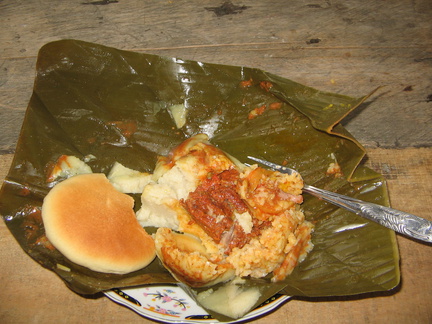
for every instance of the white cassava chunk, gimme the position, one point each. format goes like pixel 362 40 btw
pixel 178 113
pixel 67 166
pixel 127 180
pixel 230 300
pixel 155 209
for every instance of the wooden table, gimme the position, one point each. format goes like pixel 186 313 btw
pixel 348 47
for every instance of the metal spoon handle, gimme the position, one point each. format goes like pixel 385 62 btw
pixel 404 223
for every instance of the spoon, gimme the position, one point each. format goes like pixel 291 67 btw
pixel 398 221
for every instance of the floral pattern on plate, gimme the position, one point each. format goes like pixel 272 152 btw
pixel 166 302
pixel 170 304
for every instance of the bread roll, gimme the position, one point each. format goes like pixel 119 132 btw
pixel 94 225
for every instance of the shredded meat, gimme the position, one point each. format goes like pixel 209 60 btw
pixel 213 204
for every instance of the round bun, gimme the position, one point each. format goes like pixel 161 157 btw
pixel 94 225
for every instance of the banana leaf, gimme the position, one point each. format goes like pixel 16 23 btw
pixel 84 93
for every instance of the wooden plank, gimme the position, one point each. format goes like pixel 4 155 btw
pixel 350 48
pixel 32 294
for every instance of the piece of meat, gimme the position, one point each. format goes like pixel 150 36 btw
pixel 213 206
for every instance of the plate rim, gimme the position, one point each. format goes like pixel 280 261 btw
pixel 270 305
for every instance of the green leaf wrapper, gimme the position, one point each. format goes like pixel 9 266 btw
pixel 83 91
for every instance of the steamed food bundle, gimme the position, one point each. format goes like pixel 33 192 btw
pixel 217 219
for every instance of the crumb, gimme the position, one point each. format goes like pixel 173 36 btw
pixel 266 85
pixel 334 169
pixel 256 112
pixel 275 105
pixel 246 83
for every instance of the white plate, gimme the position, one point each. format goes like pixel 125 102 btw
pixel 170 304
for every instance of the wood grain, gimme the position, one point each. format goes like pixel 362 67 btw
pixel 348 47
pixel 32 294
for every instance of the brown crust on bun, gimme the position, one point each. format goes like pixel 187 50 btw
pixel 94 225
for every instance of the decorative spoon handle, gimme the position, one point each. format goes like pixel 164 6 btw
pixel 404 223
